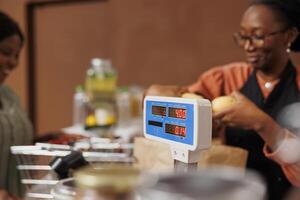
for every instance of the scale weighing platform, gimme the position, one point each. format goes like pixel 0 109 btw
pixel 185 124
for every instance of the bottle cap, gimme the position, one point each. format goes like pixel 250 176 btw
pixel 96 61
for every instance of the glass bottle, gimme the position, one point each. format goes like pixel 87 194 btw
pixel 80 100
pixel 101 81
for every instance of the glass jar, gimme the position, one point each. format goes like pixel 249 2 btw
pixel 100 85
pixel 107 182
pixel 123 105
pixel 136 103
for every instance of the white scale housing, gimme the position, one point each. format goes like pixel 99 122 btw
pixel 184 124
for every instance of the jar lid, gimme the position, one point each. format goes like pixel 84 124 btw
pixel 118 178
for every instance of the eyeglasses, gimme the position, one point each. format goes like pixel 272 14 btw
pixel 255 40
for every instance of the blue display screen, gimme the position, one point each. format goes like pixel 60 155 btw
pixel 171 121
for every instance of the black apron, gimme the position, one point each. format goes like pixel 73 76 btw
pixel 285 92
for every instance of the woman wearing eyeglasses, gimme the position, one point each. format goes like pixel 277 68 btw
pixel 263 85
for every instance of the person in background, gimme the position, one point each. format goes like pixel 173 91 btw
pixel 263 86
pixel 15 128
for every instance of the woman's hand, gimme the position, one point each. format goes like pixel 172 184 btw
pixel 242 114
pixel 246 115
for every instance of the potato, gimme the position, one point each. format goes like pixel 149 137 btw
pixel 191 96
pixel 221 103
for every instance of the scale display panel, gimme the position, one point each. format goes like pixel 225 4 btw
pixel 170 120
pixel 184 124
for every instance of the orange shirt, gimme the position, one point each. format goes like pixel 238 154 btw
pixel 223 80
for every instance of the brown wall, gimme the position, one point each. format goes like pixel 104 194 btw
pixel 148 41
pixel 17 80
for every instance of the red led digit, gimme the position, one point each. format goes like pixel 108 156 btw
pixel 183 133
pixel 177 113
pixel 180 113
pixel 184 114
pixel 177 130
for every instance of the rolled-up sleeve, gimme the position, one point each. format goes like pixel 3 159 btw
pixel 210 84
pixel 221 80
pixel 287 155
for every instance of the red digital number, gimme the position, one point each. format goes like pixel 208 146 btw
pixel 181 131
pixel 180 113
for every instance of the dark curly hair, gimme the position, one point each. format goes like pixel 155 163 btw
pixel 288 12
pixel 9 27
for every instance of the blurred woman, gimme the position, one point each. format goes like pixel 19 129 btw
pixel 15 128
pixel 263 86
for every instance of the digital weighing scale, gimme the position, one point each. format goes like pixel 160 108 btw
pixel 184 124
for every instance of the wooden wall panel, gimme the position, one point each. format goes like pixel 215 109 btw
pixel 18 78
pixel 148 41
